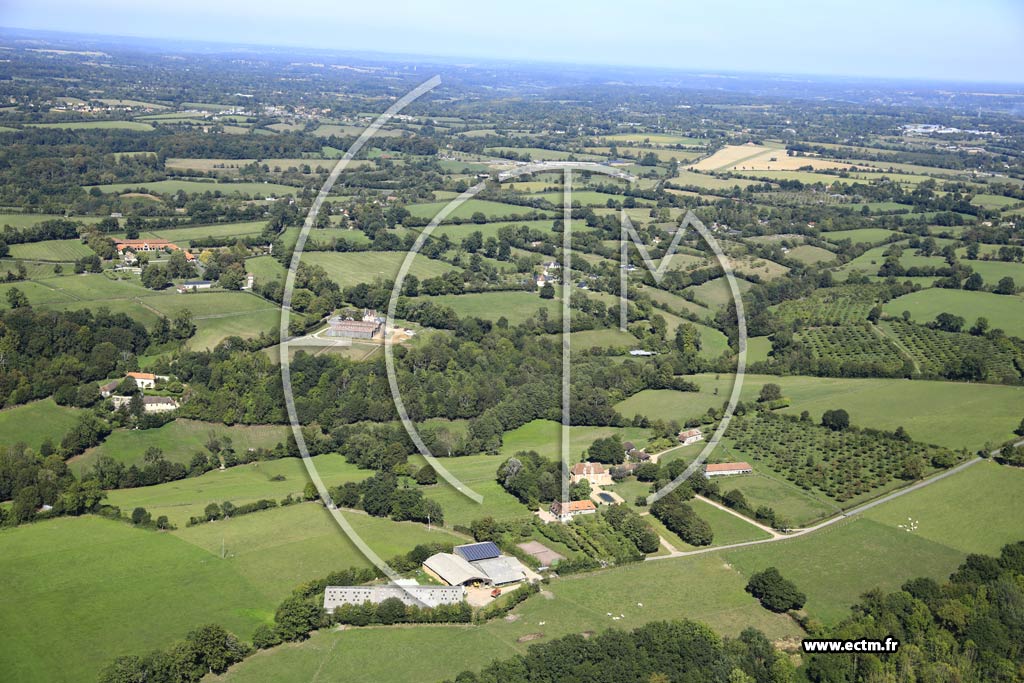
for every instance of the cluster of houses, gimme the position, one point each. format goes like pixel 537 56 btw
pixel 143 381
pixel 367 327
pixel 547 274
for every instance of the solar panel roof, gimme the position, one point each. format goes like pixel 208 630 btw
pixel 473 552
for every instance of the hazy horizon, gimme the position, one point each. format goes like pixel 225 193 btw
pixel 915 40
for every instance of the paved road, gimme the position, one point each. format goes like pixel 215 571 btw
pixel 796 533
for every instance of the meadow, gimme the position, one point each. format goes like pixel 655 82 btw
pixel 1006 312
pixel 717 293
pixel 702 589
pixel 810 254
pixel 494 211
pixel 96 573
pixel 179 441
pixel 860 235
pixel 925 409
pixel 514 306
pixel 169 187
pixel 24 220
pixel 544 436
pixel 275 479
pixel 51 250
pixel 351 268
pixel 33 423
pixel 92 125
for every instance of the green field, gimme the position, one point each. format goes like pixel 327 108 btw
pixel 34 422
pixel 169 187
pixel 182 236
pixel 810 254
pixel 544 436
pixel 478 473
pixel 96 573
pixel 654 139
pixel 791 503
pixel 178 440
pixel 602 338
pixel 23 220
pixel 185 498
pixel 1006 312
pixel 927 410
pixel 89 125
pixel 539 154
pixel 859 236
pixel 513 306
pixel 835 566
pixel 758 349
pixel 493 210
pixel 51 250
pixel 265 268
pixel 351 268
pixel 699 588
pixel 717 293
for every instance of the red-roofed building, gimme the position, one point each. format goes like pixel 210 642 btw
pixel 574 508
pixel 689 436
pixel 143 380
pixel 727 468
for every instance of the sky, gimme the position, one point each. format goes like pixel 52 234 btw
pixel 979 40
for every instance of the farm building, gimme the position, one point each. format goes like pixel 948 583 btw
pixel 143 380
pixel 453 570
pixel 354 329
pixel 726 468
pixel 194 286
pixel 143 245
pixel 565 512
pixel 106 390
pixel 689 436
pixel 594 472
pixel 158 404
pixel 502 570
pixel 540 552
pixel 431 596
pixel 476 563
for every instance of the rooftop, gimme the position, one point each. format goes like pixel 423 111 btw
pixel 727 466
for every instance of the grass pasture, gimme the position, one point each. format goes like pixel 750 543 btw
pixel 351 268
pixel 169 187
pixel 275 479
pixel 513 306
pixel 33 423
pixel 178 440
pixel 94 125
pixel 96 573
pixel 717 293
pixel 810 254
pixel 1006 312
pixel 700 588
pixel 61 251
pixel 495 211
